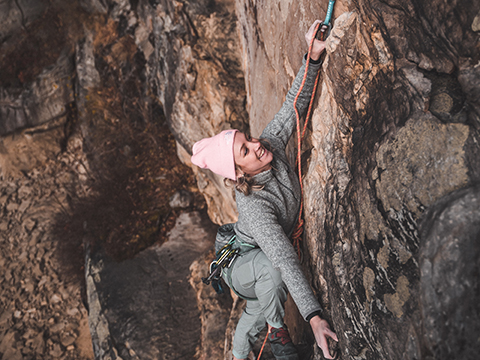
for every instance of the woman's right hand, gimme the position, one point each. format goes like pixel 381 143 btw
pixel 318 46
pixel 321 330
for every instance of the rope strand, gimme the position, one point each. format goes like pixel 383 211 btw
pixel 264 342
pixel 297 233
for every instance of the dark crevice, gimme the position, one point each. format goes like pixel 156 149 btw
pixel 22 14
pixel 447 100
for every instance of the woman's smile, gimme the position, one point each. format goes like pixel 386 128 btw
pixel 250 154
pixel 262 152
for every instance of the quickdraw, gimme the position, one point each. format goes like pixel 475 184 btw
pixel 224 259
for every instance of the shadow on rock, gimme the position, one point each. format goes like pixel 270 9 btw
pixel 144 307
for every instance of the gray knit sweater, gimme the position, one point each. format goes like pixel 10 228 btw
pixel 268 217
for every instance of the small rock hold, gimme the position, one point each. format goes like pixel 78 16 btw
pixel 55 299
pixel 24 192
pixel 181 199
pixel 29 224
pixel 24 205
pixel 38 344
pixel 56 351
pixel 12 207
pixel 3 200
pixel 72 312
pixel 4 226
pixel 23 256
pixel 28 334
pixel 57 328
pixel 29 287
pixel 64 293
pixel 44 279
pixel 476 23
pixel 67 340
pixel 36 272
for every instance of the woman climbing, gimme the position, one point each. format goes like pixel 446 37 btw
pixel 268 200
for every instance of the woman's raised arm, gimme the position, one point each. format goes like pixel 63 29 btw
pixel 282 125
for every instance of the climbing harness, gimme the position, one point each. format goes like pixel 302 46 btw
pixel 228 247
pixel 322 31
pixel 224 259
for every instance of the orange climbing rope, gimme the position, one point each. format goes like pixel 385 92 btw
pixel 297 233
pixel 263 345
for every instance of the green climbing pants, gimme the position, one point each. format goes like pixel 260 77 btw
pixel 252 276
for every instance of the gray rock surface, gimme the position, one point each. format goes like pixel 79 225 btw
pixel 449 275
pixel 145 308
pixel 181 199
pixel 15 15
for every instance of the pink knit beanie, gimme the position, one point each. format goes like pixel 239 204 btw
pixel 216 153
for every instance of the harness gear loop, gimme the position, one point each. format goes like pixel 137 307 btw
pixel 224 258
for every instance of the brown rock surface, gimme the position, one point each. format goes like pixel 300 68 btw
pixel 394 136
pixel 42 313
pixel 214 316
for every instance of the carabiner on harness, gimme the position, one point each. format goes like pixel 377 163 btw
pixel 224 258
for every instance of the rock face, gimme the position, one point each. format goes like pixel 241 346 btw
pixel 391 155
pixel 449 281
pixel 395 130
pixel 200 82
pixel 96 54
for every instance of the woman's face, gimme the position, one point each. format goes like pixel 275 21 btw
pixel 250 154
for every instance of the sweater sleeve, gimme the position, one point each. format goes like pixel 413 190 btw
pixel 284 122
pixel 271 238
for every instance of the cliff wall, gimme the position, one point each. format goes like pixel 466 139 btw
pixel 391 155
pixel 394 134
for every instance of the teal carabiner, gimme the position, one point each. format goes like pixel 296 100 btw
pixel 325 26
pixel 328 17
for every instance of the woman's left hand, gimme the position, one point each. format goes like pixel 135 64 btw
pixel 318 46
pixel 321 330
